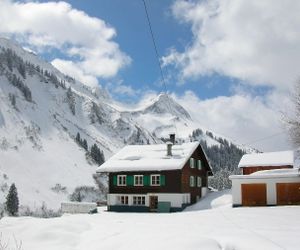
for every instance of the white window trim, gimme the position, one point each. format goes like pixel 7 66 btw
pixel 154 175
pixel 118 180
pixel 192 162
pixel 142 197
pixel 199 183
pixel 199 164
pixel 120 200
pixel 138 185
pixel 192 183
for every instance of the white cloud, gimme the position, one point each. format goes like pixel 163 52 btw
pixel 85 41
pixel 241 117
pixel 73 69
pixel 256 41
pixel 119 88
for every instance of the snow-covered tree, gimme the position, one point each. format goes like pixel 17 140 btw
pixel 71 100
pixel 12 201
pixel 293 121
pixel 97 155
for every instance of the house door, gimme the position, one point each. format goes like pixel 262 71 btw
pixel 288 193
pixel 254 194
pixel 153 200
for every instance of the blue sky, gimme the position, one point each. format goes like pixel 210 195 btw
pixel 231 64
pixel 133 36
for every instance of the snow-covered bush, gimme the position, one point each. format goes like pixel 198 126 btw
pixel 87 194
pixel 40 212
pixel 58 188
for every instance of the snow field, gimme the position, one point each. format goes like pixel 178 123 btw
pixel 221 227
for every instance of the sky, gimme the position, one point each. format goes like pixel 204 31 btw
pixel 231 63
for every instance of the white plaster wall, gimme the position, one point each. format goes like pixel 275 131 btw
pixel 176 199
pixel 77 207
pixel 204 191
pixel 271 187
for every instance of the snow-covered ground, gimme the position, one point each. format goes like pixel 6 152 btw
pixel 212 224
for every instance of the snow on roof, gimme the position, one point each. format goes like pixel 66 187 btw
pixel 149 158
pixel 266 174
pixel 281 158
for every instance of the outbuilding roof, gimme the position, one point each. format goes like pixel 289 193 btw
pixel 269 174
pixel 281 158
pixel 149 158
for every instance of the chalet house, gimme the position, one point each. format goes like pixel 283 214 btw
pixel 267 179
pixel 160 177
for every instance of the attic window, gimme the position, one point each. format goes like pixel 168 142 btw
pixel 199 164
pixel 192 162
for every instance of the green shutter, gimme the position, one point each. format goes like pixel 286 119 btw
pixel 129 180
pixel 162 180
pixel 146 180
pixel 115 180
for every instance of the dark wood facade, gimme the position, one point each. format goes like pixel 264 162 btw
pixel 250 170
pixel 176 181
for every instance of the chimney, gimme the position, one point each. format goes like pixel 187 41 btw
pixel 169 148
pixel 172 138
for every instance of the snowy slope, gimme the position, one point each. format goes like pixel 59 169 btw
pixel 37 146
pixel 227 228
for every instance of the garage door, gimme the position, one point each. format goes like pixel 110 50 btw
pixel 288 193
pixel 254 194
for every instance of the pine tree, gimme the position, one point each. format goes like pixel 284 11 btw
pixel 12 201
pixel 78 140
pixel 84 144
pixel 97 155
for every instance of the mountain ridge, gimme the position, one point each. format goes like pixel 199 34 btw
pixel 42 110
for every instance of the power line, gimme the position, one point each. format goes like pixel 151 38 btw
pixel 264 138
pixel 158 61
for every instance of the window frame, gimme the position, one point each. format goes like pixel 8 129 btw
pixel 199 182
pixel 120 180
pixel 192 162
pixel 139 200
pixel 141 179
pixel 152 177
pixel 199 164
pixel 192 181
pixel 123 200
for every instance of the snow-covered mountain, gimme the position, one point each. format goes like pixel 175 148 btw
pixel 41 112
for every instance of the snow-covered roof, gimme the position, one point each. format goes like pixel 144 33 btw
pixel 281 158
pixel 267 174
pixel 149 158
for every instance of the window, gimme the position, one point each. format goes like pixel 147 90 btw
pixel 199 181
pixel 199 164
pixel 138 180
pixel 192 162
pixel 155 180
pixel 138 200
pixel 123 200
pixel 121 180
pixel 192 181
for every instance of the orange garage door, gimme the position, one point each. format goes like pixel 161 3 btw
pixel 288 193
pixel 254 194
